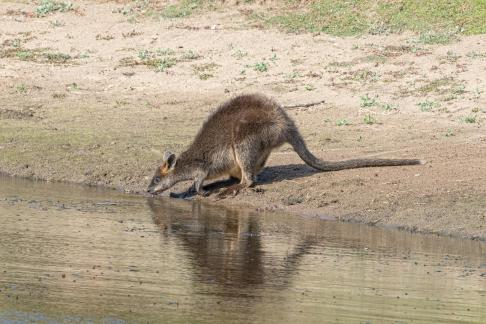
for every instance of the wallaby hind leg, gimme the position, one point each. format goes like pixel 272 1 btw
pixel 261 162
pixel 249 159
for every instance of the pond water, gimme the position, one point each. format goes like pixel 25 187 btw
pixel 78 254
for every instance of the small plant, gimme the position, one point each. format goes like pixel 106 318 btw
pixel 143 54
pixel 72 86
pixel 449 133
pixel 203 71
pixel 57 57
pixel 165 51
pixel 459 89
pixel 190 55
pixel 342 122
pixel 48 6
pixel 164 63
pixel 474 54
pixel 260 67
pixel 452 57
pixel 57 23
pixel 433 37
pixel 24 55
pixel 274 57
pixel 293 75
pixel 363 75
pixel 369 120
pixel 309 87
pixel 239 54
pixel 205 76
pixel 132 33
pixel 477 93
pixel 470 119
pixel 450 97
pixel 161 59
pixel 104 37
pixel 16 43
pixel 389 107
pixel 21 88
pixel 57 95
pixel 427 105
pixel 367 101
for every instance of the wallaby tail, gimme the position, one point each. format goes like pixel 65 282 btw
pixel 297 142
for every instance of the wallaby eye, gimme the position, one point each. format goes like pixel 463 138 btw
pixel 156 180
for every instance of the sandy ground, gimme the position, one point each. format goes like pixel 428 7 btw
pixel 94 96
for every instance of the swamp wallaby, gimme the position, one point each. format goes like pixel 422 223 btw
pixel 237 139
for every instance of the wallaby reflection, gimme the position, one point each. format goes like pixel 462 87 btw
pixel 225 245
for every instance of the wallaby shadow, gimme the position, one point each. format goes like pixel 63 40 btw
pixel 279 173
pixel 272 174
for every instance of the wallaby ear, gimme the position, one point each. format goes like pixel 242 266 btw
pixel 169 158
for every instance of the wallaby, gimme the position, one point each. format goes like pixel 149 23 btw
pixel 236 140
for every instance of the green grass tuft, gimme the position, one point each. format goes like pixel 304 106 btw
pixel 49 6
pixel 183 8
pixel 470 119
pixel 367 101
pixel 369 119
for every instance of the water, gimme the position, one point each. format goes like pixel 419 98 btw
pixel 76 254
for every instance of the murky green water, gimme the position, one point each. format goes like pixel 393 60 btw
pixel 75 254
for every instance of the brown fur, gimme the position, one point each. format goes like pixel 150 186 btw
pixel 237 139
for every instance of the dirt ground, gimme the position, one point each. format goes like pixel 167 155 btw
pixel 95 96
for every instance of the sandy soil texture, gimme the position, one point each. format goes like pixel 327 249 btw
pixel 94 96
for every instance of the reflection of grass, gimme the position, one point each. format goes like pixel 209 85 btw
pixel 381 16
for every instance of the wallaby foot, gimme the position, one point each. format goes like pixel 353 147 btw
pixel 231 191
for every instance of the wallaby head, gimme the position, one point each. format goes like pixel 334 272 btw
pixel 162 179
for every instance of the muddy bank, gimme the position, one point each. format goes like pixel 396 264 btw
pixel 96 98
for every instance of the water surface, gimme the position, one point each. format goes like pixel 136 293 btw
pixel 76 254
